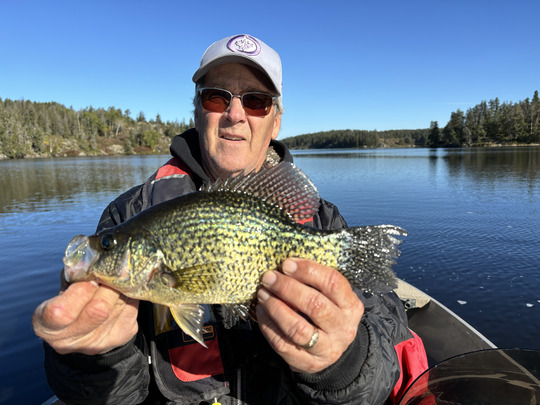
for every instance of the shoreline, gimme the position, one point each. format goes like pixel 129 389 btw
pixel 116 152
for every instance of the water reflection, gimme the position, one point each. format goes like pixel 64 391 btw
pixel 42 183
pixel 365 153
pixel 36 184
pixel 484 164
pixel 490 165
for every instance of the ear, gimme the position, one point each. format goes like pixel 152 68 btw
pixel 277 126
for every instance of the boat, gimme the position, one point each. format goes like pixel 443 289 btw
pixel 443 332
pixel 465 366
pixel 453 344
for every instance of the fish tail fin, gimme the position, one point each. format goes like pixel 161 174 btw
pixel 368 255
pixel 189 318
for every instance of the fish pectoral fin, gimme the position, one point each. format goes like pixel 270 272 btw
pixel 203 269
pixel 198 277
pixel 162 318
pixel 189 318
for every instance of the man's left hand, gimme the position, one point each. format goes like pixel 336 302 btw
pixel 303 299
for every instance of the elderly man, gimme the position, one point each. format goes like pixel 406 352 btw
pixel 317 340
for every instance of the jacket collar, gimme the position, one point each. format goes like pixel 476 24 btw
pixel 187 148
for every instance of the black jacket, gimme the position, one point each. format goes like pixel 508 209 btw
pixel 165 366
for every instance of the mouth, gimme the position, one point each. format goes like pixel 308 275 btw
pixel 79 256
pixel 232 137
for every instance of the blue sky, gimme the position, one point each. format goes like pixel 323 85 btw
pixel 346 64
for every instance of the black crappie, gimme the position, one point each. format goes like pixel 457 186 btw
pixel 212 247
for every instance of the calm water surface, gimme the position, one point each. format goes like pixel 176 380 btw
pixel 472 216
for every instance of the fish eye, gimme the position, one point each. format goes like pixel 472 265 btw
pixel 107 241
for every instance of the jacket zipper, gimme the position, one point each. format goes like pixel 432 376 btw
pixel 239 387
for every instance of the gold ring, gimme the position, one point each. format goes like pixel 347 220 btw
pixel 312 341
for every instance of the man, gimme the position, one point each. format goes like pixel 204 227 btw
pixel 316 341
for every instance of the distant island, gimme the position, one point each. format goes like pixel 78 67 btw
pixel 31 129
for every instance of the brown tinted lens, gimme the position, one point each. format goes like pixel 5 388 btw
pixel 215 100
pixel 257 104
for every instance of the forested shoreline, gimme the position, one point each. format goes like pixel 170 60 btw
pixel 31 129
pixel 34 129
pixel 349 138
pixel 490 123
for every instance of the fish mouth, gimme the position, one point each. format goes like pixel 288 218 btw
pixel 78 258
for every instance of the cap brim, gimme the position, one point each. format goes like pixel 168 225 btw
pixel 236 58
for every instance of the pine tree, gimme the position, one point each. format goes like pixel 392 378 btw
pixel 434 137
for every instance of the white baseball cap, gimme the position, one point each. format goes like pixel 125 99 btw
pixel 242 49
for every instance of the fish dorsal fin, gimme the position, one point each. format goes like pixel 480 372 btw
pixel 283 185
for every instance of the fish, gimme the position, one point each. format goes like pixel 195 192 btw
pixel 213 246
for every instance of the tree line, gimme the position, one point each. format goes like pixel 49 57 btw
pixel 348 138
pixel 490 123
pixel 34 129
pixel 487 123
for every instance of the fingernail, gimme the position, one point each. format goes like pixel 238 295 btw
pixel 269 278
pixel 263 295
pixel 288 266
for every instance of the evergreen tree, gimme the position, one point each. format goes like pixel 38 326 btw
pixel 434 137
pixel 535 118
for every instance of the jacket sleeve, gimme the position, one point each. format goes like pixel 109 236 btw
pixel 120 376
pixel 369 369
pixel 124 207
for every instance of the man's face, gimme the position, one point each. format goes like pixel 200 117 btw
pixel 233 142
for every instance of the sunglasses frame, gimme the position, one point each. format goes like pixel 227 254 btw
pixel 241 97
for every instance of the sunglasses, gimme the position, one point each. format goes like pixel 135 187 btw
pixel 217 100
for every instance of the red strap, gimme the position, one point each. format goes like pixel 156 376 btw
pixel 173 167
pixel 193 362
pixel 304 221
pixel 413 361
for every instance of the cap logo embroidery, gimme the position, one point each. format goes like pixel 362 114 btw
pixel 244 44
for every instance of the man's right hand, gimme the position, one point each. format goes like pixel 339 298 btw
pixel 86 318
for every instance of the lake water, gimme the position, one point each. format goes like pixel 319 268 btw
pixel 473 217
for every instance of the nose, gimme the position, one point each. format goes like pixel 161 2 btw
pixel 236 112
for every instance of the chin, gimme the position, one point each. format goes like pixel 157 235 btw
pixel 236 165
pixel 223 173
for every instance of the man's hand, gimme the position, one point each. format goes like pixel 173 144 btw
pixel 86 318
pixel 305 289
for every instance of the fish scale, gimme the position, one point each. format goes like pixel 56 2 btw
pixel 212 246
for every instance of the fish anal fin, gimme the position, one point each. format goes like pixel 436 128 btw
pixel 253 311
pixel 242 310
pixel 189 318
